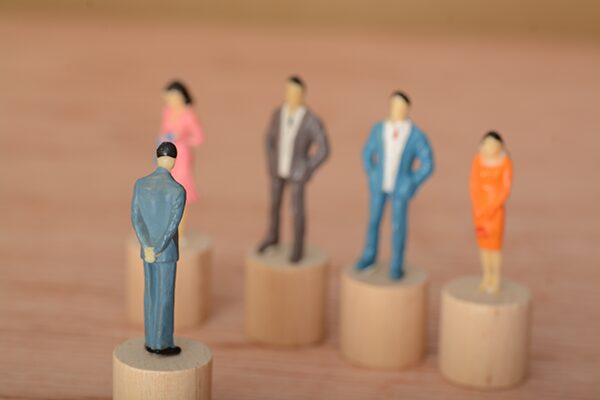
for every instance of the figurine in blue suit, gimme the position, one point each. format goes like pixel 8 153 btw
pixel 156 210
pixel 389 157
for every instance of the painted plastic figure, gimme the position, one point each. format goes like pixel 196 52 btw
pixel 491 178
pixel 156 211
pixel 181 127
pixel 389 160
pixel 296 147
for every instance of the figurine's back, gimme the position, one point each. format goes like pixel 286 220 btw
pixel 157 196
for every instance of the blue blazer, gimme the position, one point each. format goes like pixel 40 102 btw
pixel 156 211
pixel 408 180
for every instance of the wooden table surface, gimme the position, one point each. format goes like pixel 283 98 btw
pixel 80 103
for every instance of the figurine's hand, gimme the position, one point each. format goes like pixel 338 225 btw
pixel 149 255
pixel 301 174
pixel 481 231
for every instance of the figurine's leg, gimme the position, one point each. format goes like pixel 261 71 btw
pixel 485 270
pixel 399 221
pixel 495 264
pixel 165 304
pixel 148 310
pixel 299 221
pixel 152 321
pixel 272 237
pixel 376 207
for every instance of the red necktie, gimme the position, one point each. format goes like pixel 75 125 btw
pixel 396 133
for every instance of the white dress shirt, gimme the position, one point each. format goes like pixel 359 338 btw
pixel 395 135
pixel 288 129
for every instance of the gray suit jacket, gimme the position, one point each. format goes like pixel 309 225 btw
pixel 156 210
pixel 311 132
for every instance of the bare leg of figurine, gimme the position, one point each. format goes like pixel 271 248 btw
pixel 496 264
pixel 272 237
pixel 486 269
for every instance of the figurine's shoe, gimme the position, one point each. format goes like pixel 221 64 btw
pixel 169 351
pixel 296 256
pixel 364 263
pixel 268 242
pixel 396 273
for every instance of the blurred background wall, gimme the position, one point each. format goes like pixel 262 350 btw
pixel 556 17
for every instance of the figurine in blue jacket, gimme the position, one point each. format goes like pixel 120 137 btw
pixel 156 210
pixel 389 160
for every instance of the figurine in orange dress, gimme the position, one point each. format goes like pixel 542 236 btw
pixel 181 127
pixel 491 178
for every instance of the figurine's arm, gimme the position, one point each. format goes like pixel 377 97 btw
pixel 322 148
pixel 137 220
pixel 425 156
pixel 370 151
pixel 174 220
pixel 196 137
pixel 270 145
pixel 504 190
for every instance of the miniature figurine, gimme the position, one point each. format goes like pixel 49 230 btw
pixel 156 211
pixel 181 127
pixel 491 178
pixel 389 157
pixel 294 132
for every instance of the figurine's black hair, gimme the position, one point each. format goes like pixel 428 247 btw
pixel 181 88
pixel 495 135
pixel 298 81
pixel 167 149
pixel 401 94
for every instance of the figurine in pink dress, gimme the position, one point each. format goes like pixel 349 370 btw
pixel 181 127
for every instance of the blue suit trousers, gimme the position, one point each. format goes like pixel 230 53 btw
pixel 399 222
pixel 159 302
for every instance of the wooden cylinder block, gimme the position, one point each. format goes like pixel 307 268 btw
pixel 192 282
pixel 139 375
pixel 383 323
pixel 285 303
pixel 484 337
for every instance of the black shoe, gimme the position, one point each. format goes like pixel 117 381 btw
pixel 268 242
pixel 296 256
pixel 396 273
pixel 150 350
pixel 169 351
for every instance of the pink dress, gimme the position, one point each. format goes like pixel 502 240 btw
pixel 185 132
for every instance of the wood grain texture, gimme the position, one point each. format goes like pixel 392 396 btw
pixel 484 338
pixel 383 323
pixel 80 104
pixel 193 289
pixel 139 375
pixel 285 303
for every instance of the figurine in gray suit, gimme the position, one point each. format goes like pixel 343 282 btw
pixel 156 210
pixel 296 146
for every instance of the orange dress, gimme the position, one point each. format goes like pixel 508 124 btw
pixel 490 187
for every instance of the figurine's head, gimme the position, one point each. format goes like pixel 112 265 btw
pixel 294 91
pixel 399 104
pixel 492 145
pixel 166 153
pixel 177 95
